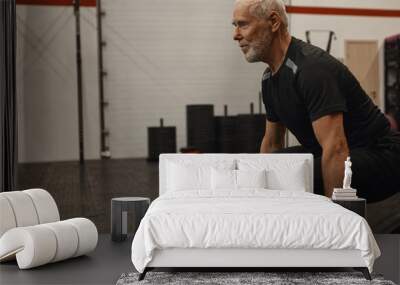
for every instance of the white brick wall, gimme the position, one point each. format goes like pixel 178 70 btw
pixel 163 55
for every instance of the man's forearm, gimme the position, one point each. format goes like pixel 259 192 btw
pixel 267 147
pixel 264 146
pixel 333 170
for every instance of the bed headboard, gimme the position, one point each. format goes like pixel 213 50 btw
pixel 165 158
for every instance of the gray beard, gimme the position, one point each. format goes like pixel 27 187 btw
pixel 253 55
pixel 257 52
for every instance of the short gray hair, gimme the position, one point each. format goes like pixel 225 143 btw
pixel 262 8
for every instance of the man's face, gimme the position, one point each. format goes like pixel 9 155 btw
pixel 253 35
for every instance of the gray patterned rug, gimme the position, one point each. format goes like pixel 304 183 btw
pixel 270 278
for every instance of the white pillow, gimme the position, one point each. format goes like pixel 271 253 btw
pixel 251 178
pixel 223 179
pixel 188 177
pixel 226 179
pixel 281 174
pixel 193 172
pixel 292 179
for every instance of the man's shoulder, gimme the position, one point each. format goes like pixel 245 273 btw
pixel 267 74
pixel 307 57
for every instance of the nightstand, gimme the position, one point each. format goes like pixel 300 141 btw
pixel 119 215
pixel 358 205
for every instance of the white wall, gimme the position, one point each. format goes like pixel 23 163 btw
pixel 46 84
pixel 160 56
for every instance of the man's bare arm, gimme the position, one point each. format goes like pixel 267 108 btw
pixel 330 134
pixel 274 137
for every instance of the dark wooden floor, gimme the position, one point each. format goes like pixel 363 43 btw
pixel 86 190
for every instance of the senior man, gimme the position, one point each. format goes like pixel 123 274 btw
pixel 318 99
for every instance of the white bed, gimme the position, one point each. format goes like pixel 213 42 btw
pixel 206 226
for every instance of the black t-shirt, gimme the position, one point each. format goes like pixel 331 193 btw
pixel 311 84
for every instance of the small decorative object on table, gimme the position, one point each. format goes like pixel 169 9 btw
pixel 119 215
pixel 347 196
pixel 345 193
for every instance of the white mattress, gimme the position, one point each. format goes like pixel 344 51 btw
pixel 253 218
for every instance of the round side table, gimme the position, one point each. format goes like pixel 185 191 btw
pixel 119 215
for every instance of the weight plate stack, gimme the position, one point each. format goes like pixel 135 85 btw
pixel 250 129
pixel 200 125
pixel 225 127
pixel 160 140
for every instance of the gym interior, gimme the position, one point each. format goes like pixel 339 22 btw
pixel 103 87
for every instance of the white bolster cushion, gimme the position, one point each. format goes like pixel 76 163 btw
pixel 87 235
pixel 37 245
pixel 33 246
pixel 45 205
pixel 23 208
pixel 67 240
pixel 7 218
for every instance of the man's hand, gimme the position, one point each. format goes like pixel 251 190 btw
pixel 330 135
pixel 274 137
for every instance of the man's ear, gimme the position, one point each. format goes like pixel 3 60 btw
pixel 276 21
